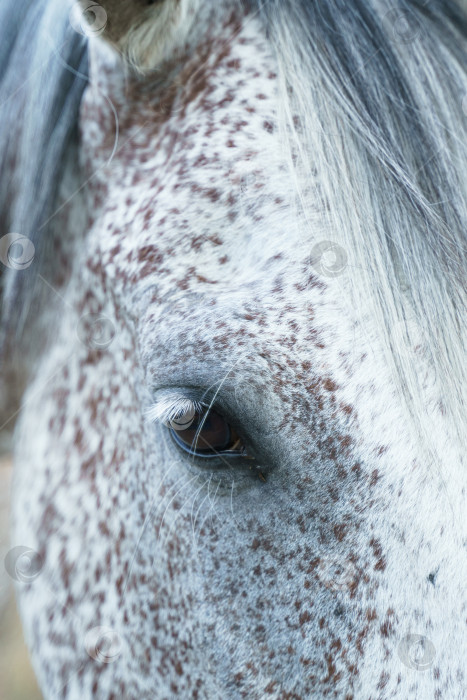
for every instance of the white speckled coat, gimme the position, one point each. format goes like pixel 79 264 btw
pixel 211 582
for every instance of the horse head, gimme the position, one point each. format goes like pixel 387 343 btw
pixel 236 467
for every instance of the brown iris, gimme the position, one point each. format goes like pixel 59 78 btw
pixel 208 435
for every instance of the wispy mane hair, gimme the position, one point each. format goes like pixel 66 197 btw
pixel 379 90
pixel 43 73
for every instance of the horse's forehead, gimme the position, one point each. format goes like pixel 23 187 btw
pixel 197 166
pixel 194 219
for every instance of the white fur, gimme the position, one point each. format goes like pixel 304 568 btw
pixel 177 546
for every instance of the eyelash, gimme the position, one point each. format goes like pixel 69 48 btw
pixel 170 406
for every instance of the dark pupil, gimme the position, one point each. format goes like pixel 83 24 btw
pixel 214 434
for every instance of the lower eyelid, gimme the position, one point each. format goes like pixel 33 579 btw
pixel 216 454
pixel 239 469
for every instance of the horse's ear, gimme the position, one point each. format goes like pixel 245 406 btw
pixel 144 31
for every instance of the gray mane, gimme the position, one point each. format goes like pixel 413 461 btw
pixel 379 90
pixel 39 100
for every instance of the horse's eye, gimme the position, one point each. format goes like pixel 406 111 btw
pixel 203 432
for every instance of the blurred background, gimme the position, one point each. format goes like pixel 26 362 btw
pixel 17 681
